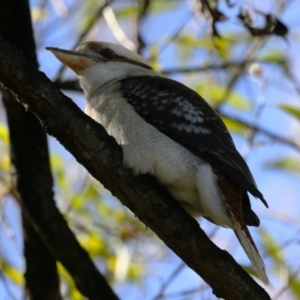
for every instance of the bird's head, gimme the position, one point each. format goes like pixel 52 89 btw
pixel 97 63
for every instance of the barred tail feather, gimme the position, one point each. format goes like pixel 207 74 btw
pixel 247 243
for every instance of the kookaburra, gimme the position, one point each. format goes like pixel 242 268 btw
pixel 168 130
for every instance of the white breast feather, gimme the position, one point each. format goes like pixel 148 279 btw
pixel 147 150
pixel 206 183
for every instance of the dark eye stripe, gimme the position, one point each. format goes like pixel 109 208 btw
pixel 107 53
pixel 122 58
pixel 111 55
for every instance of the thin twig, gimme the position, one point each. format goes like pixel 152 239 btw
pixel 261 105
pixel 177 31
pixel 84 33
pixel 292 277
pixel 271 135
pixel 249 56
pixel 116 29
pixel 169 280
pixel 141 15
pixel 292 239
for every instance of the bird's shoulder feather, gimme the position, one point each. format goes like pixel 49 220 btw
pixel 184 116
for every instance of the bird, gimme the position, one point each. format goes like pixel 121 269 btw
pixel 169 131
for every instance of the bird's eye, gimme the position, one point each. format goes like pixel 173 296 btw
pixel 107 53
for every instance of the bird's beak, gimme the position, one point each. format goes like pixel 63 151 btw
pixel 78 62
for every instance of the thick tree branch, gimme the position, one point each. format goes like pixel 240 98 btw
pixel 29 155
pixel 102 157
pixel 41 274
pixel 40 209
pixel 34 183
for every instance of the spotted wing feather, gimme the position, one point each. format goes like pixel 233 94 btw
pixel 186 117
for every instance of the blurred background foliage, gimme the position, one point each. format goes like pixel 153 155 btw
pixel 247 71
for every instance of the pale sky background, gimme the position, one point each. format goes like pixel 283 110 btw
pixel 280 189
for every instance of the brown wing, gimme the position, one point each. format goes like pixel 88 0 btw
pixel 184 116
pixel 232 194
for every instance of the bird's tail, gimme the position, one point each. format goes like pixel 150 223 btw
pixel 248 244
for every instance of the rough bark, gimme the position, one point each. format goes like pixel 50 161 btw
pixel 102 157
pixel 41 219
pixel 29 156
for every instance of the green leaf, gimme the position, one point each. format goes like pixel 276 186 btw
pixel 273 56
pixel 289 163
pixel 249 269
pixel 292 110
pixel 93 244
pixel 155 7
pixel 222 45
pixel 272 248
pixel 186 45
pixel 39 14
pixel 234 126
pixel 214 93
pixel 70 290
pixel 162 6
pixel 154 57
pixel 126 12
pixel 294 284
pixel 238 101
pixel 58 166
pixel 4 133
pixel 88 15
pixel 11 273
pixel 195 42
